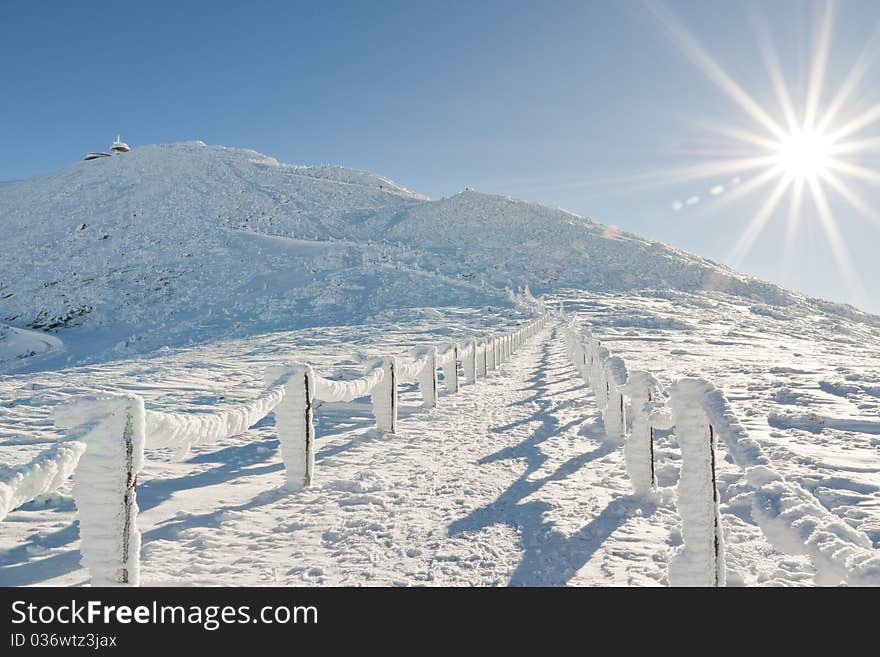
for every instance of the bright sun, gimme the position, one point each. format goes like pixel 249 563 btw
pixel 804 154
pixel 803 148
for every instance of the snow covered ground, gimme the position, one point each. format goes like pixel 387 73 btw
pixel 510 481
pixel 178 244
pixel 180 272
pixel 805 386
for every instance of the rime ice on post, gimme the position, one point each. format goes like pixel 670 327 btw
pixel 294 421
pixel 105 482
pixel 614 414
pixel 700 561
pixel 449 365
pixel 469 362
pixel 384 397
pixel 483 360
pixel 428 379
pixel 647 408
pixel 597 357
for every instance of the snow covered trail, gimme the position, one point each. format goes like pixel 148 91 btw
pixel 509 482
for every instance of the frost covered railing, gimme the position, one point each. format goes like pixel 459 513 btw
pixel 633 405
pixel 107 436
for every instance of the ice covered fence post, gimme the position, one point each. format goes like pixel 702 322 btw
pixel 615 410
pixel 700 561
pixel 449 366
pixel 294 420
pixel 648 411
pixel 384 397
pixel 470 363
pixel 490 354
pixel 596 360
pixel 428 378
pixel 483 361
pixel 105 484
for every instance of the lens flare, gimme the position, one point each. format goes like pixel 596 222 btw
pixel 797 145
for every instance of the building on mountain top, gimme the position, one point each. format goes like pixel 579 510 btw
pixel 116 148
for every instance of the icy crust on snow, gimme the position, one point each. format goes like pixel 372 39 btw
pixel 112 428
pixel 700 560
pixel 44 474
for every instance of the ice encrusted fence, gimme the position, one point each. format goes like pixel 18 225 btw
pixel 633 404
pixel 107 436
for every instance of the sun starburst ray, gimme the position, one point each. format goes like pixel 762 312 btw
pixel 793 219
pixel 692 49
pixel 758 222
pixel 774 69
pixel 839 251
pixel 852 197
pixel 853 78
pixel 862 121
pixel 818 68
pixel 854 170
pixel 742 135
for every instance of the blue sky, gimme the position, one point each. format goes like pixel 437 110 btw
pixel 575 104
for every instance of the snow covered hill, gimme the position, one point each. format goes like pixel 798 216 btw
pixel 181 243
pixel 181 272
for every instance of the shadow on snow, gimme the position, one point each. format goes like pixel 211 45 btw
pixel 550 558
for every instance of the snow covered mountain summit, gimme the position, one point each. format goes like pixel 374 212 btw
pixel 185 242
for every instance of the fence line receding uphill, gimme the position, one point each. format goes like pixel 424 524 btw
pixel 107 435
pixel 634 404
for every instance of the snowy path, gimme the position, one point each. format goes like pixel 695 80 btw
pixel 507 482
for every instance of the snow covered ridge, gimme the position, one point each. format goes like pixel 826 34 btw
pixel 109 433
pixel 789 516
pixel 182 243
